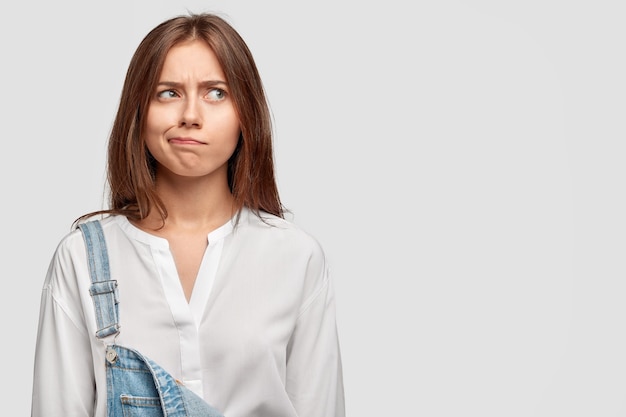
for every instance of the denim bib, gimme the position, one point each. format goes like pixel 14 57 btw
pixel 136 386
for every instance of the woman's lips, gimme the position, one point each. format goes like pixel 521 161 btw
pixel 185 141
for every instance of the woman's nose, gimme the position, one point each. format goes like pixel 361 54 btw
pixel 191 115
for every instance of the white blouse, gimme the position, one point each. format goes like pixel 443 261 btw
pixel 257 338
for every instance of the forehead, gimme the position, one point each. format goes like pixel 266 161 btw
pixel 192 58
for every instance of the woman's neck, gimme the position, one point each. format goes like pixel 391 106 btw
pixel 191 203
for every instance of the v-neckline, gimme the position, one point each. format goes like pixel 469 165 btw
pixel 169 278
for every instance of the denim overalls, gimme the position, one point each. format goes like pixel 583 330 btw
pixel 136 386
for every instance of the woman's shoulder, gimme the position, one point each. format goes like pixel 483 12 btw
pixel 67 278
pixel 278 229
pixel 73 243
pixel 273 240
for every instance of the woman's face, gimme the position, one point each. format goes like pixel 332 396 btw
pixel 192 127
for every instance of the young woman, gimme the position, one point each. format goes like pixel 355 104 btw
pixel 212 284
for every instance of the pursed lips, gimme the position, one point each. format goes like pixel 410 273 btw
pixel 185 141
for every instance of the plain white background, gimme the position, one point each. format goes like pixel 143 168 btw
pixel 461 162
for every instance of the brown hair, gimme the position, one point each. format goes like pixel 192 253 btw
pixel 131 168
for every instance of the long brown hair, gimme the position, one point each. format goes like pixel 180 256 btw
pixel 131 168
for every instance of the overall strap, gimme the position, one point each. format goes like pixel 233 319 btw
pixel 103 289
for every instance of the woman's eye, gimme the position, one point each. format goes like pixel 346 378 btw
pixel 217 94
pixel 167 94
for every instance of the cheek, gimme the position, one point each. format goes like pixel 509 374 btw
pixel 232 143
pixel 158 121
pixel 149 134
pixel 232 131
pixel 154 119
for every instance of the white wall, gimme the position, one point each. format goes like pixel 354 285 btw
pixel 462 163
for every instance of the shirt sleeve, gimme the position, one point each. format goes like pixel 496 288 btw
pixel 314 380
pixel 63 381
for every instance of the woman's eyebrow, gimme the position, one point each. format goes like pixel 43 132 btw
pixel 208 83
